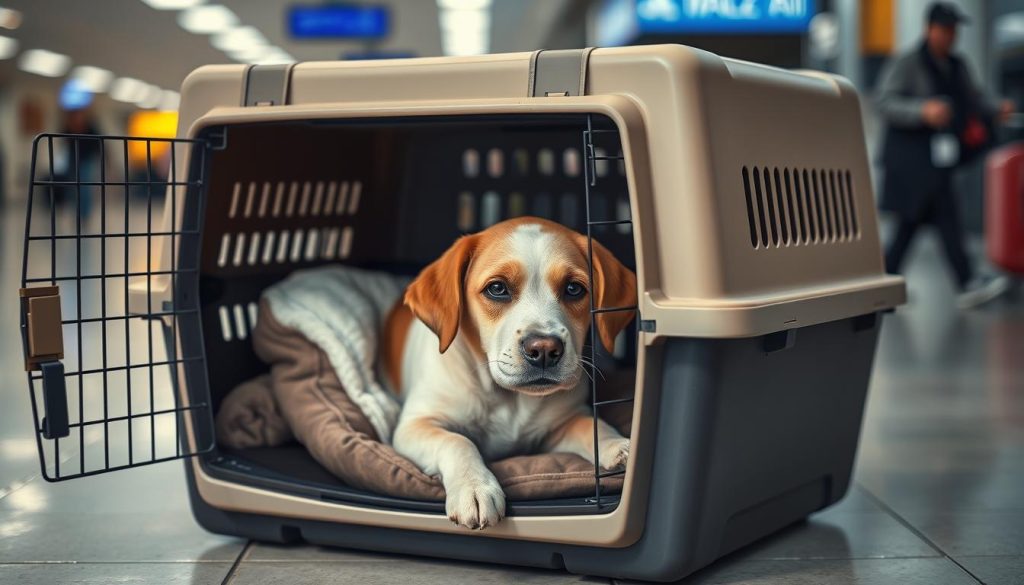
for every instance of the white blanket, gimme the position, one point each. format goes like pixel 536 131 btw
pixel 342 310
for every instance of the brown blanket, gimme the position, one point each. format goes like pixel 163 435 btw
pixel 302 396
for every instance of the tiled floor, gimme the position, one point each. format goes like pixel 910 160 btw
pixel 939 496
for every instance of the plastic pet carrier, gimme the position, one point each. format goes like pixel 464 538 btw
pixel 739 193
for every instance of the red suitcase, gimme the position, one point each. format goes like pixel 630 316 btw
pixel 1004 207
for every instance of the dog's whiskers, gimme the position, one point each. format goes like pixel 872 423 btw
pixel 504 363
pixel 592 365
pixel 587 373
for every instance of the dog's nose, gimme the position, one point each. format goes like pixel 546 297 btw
pixel 543 351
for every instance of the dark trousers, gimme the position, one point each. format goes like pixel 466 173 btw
pixel 943 213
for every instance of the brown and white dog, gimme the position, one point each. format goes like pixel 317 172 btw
pixel 510 308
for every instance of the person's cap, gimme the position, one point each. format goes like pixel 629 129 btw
pixel 946 14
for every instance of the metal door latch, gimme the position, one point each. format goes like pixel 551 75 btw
pixel 44 348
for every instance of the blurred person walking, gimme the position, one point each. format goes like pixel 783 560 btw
pixel 78 159
pixel 937 120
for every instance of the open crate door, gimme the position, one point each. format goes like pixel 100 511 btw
pixel 110 318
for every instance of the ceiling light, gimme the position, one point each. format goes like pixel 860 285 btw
pixel 456 21
pixel 238 39
pixel 8 47
pixel 94 79
pixel 74 95
pixel 207 19
pixel 128 90
pixel 464 4
pixel 169 101
pixel 9 19
pixel 275 56
pixel 151 97
pixel 173 4
pixel 250 54
pixel 45 63
pixel 465 46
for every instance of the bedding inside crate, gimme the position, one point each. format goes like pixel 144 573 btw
pixel 386 195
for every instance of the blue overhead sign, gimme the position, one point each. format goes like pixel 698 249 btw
pixel 680 17
pixel 724 16
pixel 338 21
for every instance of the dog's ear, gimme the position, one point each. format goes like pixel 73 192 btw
pixel 614 286
pixel 436 296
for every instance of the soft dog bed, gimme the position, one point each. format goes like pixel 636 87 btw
pixel 319 328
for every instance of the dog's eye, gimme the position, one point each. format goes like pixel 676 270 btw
pixel 498 291
pixel 574 290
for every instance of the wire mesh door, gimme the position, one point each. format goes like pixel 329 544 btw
pixel 602 149
pixel 110 317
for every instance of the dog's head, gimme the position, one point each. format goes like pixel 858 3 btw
pixel 520 292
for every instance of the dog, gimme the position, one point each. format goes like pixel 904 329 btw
pixel 487 353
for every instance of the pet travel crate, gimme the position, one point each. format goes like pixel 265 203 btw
pixel 739 193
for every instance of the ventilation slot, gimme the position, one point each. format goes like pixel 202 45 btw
pixel 798 207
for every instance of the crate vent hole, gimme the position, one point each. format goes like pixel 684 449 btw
pixel 346 242
pixel 307 187
pixel 342 199
pixel 225 245
pixel 521 160
pixel 239 250
pixel 495 163
pixel 225 323
pixel 282 247
pixel 332 189
pixel 357 191
pixel 293 193
pixel 235 193
pixel 311 244
pixel 466 211
pixel 254 249
pixel 330 243
pixel 799 207
pixel 571 162
pixel 296 254
pixel 490 209
pixel 240 327
pixel 268 248
pixel 516 204
pixel 470 163
pixel 264 199
pixel 278 199
pixel 250 197
pixel 546 162
pixel 318 198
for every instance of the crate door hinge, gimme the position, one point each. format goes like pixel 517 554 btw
pixel 558 73
pixel 267 85
pixel 44 348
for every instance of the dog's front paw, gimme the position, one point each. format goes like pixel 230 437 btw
pixel 614 453
pixel 475 500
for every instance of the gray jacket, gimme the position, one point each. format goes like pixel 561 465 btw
pixel 904 85
pixel 911 181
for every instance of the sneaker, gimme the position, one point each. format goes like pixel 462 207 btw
pixel 982 290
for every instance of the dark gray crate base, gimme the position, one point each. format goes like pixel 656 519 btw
pixel 752 435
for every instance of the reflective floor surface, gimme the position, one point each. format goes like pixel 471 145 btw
pixel 939 494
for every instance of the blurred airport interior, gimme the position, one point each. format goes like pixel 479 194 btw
pixel 938 495
pixel 117 61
